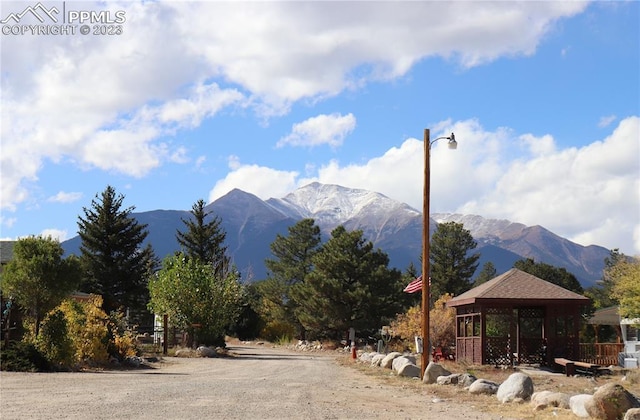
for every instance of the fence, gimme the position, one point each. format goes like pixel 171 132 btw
pixel 603 354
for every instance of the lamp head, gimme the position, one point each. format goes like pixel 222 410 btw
pixel 453 144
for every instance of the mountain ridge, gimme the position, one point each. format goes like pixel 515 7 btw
pixel 252 224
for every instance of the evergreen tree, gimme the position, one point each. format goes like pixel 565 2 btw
pixel 205 240
pixel 116 265
pixel 487 273
pixel 38 278
pixel 350 286
pixel 293 262
pixel 555 275
pixel 451 267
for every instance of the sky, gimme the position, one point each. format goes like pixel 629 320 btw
pixel 171 102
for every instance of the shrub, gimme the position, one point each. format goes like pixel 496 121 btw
pixel 276 330
pixel 22 356
pixel 54 341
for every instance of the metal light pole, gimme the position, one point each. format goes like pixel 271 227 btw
pixel 426 345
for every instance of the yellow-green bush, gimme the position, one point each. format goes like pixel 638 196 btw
pixel 278 331
pixel 87 325
pixel 54 342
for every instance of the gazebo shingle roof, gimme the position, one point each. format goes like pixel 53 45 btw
pixel 516 285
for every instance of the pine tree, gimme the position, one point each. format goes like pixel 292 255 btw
pixel 487 273
pixel 556 275
pixel 116 265
pixel 350 286
pixel 451 267
pixel 204 241
pixel 293 255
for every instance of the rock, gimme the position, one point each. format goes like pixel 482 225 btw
pixel 184 353
pixel 432 372
pixel 409 370
pixel 518 386
pixel 377 359
pixel 577 404
pixel 400 361
pixel 449 379
pixel 466 379
pixel 550 399
pixel 632 414
pixel 388 359
pixel 483 386
pixel 366 357
pixel 610 402
pixel 203 351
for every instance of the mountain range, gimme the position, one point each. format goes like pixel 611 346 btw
pixel 252 224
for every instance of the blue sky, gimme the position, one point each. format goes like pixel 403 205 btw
pixel 194 99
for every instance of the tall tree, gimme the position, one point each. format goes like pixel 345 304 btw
pixel 205 240
pixel 292 263
pixel 191 294
pixel 626 286
pixel 350 286
pixel 451 265
pixel 601 294
pixel 556 275
pixel 116 265
pixel 487 273
pixel 38 278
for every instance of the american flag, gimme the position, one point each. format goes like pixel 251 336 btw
pixel 415 286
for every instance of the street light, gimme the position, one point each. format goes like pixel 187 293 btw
pixel 426 346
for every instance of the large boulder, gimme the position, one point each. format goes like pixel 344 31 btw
pixel 610 401
pixel 577 404
pixel 517 387
pixel 483 386
pixel 387 362
pixel 466 379
pixel 203 351
pixel 449 379
pixel 632 414
pixel 544 399
pixel 377 359
pixel 432 372
pixel 398 363
pixel 409 370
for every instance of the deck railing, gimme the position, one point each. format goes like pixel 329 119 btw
pixel 603 354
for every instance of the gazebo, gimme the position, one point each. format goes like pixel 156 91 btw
pixel 517 318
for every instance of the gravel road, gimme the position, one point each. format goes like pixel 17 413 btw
pixel 258 383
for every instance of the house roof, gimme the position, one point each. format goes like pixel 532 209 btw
pixel 606 316
pixel 518 285
pixel 6 251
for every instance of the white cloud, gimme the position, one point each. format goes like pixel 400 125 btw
pixel 65 197
pixel 57 234
pixel 258 180
pixel 105 102
pixel 606 121
pixel 590 195
pixel 323 129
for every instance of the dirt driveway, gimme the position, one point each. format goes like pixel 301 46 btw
pixel 257 383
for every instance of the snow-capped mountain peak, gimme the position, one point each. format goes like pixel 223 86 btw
pixel 334 205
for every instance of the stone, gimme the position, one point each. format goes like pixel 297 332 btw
pixel 432 372
pixel 449 379
pixel 610 402
pixel 388 359
pixel 577 404
pixel 409 370
pixel 632 414
pixel 400 361
pixel 203 351
pixel 466 379
pixel 377 359
pixel 517 387
pixel 483 386
pixel 550 399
